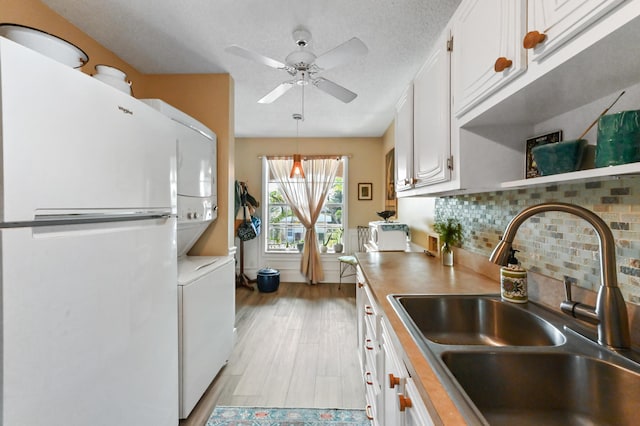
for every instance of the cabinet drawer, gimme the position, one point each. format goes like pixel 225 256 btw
pixel 371 398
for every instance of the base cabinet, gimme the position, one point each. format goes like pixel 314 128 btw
pixel 416 414
pixel 369 350
pixel 392 398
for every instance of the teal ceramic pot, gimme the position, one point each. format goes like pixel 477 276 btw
pixel 618 139
pixel 559 157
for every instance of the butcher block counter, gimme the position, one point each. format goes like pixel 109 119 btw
pixel 388 273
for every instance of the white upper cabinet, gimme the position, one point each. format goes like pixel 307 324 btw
pixel 404 141
pixel 432 118
pixel 550 23
pixel 487 52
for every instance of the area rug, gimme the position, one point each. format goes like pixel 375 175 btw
pixel 251 416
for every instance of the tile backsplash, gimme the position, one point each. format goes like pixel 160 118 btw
pixel 558 244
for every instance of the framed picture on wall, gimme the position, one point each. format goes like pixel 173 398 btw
pixel 365 191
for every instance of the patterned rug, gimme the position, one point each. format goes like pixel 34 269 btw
pixel 250 416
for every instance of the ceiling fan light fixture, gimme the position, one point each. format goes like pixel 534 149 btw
pixel 304 65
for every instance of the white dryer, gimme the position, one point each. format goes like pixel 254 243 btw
pixel 206 284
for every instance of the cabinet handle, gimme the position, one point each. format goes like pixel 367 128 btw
pixel 393 381
pixel 405 402
pixel 368 310
pixel 532 39
pixel 360 285
pixel 502 64
pixel 367 378
pixel 367 343
pixel 367 411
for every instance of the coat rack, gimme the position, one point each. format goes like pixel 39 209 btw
pixel 242 280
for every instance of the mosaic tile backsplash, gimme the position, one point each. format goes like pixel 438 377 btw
pixel 558 244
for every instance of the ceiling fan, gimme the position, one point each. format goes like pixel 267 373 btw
pixel 304 66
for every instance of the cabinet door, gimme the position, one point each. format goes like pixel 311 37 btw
pixel 431 116
pixel 360 302
pixel 483 32
pixel 560 20
pixel 416 413
pixel 404 141
pixel 394 376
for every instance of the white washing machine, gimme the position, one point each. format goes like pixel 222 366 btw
pixel 206 284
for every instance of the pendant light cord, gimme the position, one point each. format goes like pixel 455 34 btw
pixel 303 78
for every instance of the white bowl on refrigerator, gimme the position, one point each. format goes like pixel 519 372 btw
pixel 45 43
pixel 113 77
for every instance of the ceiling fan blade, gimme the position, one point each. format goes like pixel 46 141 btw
pixel 341 54
pixel 276 93
pixel 244 53
pixel 334 89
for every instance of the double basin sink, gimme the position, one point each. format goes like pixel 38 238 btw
pixel 508 364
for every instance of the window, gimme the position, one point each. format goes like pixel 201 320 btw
pixel 282 230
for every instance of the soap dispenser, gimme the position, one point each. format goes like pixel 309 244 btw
pixel 513 281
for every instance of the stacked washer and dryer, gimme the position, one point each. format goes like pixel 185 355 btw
pixel 206 284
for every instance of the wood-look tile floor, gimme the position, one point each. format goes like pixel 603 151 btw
pixel 295 348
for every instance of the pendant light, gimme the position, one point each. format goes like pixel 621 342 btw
pixel 296 169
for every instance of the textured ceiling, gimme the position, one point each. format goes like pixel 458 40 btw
pixel 189 36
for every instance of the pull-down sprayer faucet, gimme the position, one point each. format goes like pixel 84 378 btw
pixel 610 312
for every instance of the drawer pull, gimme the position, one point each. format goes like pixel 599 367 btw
pixel 360 285
pixel 393 381
pixel 368 345
pixel 532 39
pixel 367 378
pixel 367 411
pixel 368 310
pixel 502 64
pixel 405 402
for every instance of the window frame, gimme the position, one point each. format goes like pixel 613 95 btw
pixel 266 226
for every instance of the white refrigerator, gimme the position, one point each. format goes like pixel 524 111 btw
pixel 88 250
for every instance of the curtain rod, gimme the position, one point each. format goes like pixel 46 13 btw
pixel 305 157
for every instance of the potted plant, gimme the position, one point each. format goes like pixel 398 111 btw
pixel 338 247
pixel 325 243
pixel 300 245
pixel 450 232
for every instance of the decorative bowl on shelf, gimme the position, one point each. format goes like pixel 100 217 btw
pixel 559 157
pixel 386 214
pixel 618 139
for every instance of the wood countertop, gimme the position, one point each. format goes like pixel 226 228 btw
pixel 416 273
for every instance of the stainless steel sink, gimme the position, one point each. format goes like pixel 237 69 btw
pixel 546 388
pixel 507 364
pixel 473 320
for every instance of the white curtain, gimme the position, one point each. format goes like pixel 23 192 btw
pixel 306 198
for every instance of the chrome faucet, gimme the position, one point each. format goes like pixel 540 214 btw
pixel 610 312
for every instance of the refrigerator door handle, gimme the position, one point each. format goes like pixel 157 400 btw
pixel 79 219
